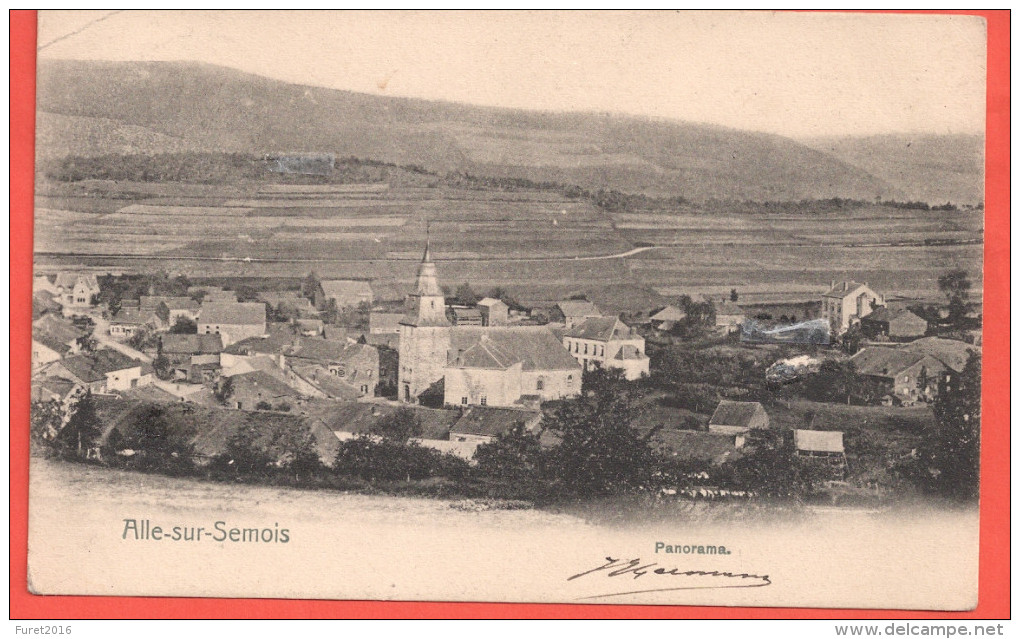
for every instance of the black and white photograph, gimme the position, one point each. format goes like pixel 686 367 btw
pixel 606 307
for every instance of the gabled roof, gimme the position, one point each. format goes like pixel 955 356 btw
pixel 59 387
pixel 953 353
pixel 843 289
pixel 179 303
pixel 94 367
pixel 327 351
pixel 695 444
pixel 669 314
pixel 535 347
pixel 133 316
pixel 885 314
pixel 492 422
pixel 264 383
pixel 490 301
pixel 602 329
pixel 629 351
pixel 466 313
pixel 730 413
pixel 244 313
pixel 818 441
pixel 359 417
pixel 54 332
pixel 70 280
pixel 578 308
pixel 384 322
pixel 878 361
pixel 346 289
pixel 193 344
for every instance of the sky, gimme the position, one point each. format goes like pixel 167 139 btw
pixel 794 74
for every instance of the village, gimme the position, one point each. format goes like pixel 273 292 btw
pixel 456 371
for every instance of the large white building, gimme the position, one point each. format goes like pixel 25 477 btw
pixel 846 303
pixel 477 365
pixel 609 343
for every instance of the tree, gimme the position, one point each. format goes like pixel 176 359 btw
pixel 599 453
pixel 399 426
pixel 956 285
pixel 733 295
pixel 310 285
pixel 514 455
pixel 949 456
pixel 298 454
pixel 331 314
pixel 851 340
pixel 46 418
pixel 155 443
pixel 163 313
pixel 87 343
pixel 245 453
pixel 81 434
pixel 184 326
pixel 224 389
pixel 772 469
pixel 466 295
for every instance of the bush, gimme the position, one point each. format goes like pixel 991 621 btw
pixel 387 460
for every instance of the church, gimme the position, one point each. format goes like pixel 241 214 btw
pixel 477 365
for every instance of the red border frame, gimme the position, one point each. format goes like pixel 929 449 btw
pixel 994 580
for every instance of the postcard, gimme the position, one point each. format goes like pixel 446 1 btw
pixel 633 307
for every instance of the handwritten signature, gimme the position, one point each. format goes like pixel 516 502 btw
pixel 635 569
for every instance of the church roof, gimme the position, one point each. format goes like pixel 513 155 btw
pixel 535 348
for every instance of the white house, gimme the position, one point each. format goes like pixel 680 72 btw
pixel 609 343
pixel 846 303
pixel 233 321
pixel 75 291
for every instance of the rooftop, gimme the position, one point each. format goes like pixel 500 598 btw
pixel 818 441
pixel 731 413
pixel 492 422
pixel 94 367
pixel 193 344
pixel 536 348
pixel 601 329
pixel 246 313
pixel 578 308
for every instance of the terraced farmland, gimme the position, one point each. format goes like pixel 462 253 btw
pixel 539 245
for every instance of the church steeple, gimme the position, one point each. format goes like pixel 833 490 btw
pixel 426 306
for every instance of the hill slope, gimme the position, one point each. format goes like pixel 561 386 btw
pixel 930 168
pixel 92 108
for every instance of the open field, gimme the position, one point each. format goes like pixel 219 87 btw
pixel 539 245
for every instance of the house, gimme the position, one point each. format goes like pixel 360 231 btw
pixel 131 320
pixel 195 358
pixel 483 424
pixel 713 448
pixel 500 367
pixel 953 353
pixel 822 445
pixel 75 291
pixel 847 302
pixel 55 389
pixel 728 316
pixel 463 316
pixel 290 303
pixel 494 312
pixel 213 293
pixel 234 321
pixel 338 369
pixel 910 376
pixel 384 323
pixel 103 371
pixel 344 292
pixel 898 325
pixel 576 311
pixel 609 343
pixel 667 318
pixel 309 327
pixel 52 339
pixel 736 418
pixel 252 391
pixel 177 307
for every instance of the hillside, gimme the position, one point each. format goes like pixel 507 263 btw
pixel 92 108
pixel 930 168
